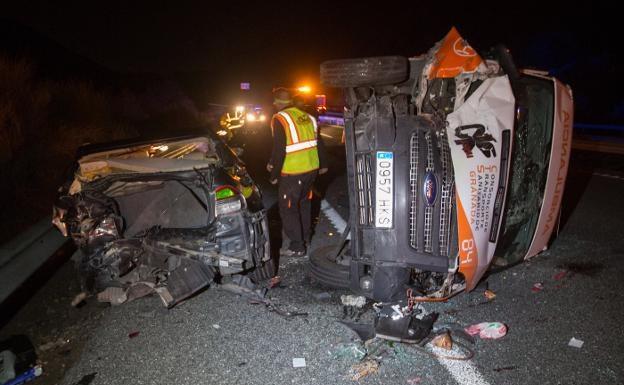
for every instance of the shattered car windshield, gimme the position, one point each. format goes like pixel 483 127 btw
pixel 157 157
pixel 198 148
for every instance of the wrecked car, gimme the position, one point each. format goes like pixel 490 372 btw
pixel 168 216
pixel 456 163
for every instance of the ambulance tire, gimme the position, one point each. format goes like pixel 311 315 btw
pixel 364 72
pixel 325 271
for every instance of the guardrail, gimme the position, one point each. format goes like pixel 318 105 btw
pixel 27 261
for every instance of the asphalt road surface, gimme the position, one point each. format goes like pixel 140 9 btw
pixel 217 337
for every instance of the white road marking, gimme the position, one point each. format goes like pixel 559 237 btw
pixel 334 217
pixel 610 176
pixel 464 372
pixel 327 135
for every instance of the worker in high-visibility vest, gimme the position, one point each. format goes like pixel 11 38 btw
pixel 298 157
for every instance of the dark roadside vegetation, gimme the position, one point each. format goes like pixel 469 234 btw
pixel 52 101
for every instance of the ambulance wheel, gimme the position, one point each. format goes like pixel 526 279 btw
pixel 363 72
pixel 325 270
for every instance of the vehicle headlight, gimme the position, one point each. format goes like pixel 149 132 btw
pixel 222 133
pixel 227 206
pixel 251 117
pixel 262 118
pixel 228 199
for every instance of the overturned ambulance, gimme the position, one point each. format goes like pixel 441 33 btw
pixel 456 163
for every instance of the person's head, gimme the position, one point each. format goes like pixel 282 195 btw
pixel 282 98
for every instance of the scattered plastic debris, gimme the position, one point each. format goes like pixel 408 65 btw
pixel 489 294
pixel 402 322
pixel 352 300
pixel 575 343
pixel 216 326
pixel 113 295
pixel 537 287
pixel 140 290
pixel 78 299
pixel 488 330
pixel 363 369
pixel 133 334
pixel 322 296
pixel 28 375
pixel 299 362
pixel 353 306
pixel 443 341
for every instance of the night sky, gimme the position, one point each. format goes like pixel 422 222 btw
pixel 281 43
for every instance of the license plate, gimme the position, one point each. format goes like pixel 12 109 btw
pixel 384 186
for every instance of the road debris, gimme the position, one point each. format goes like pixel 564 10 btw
pixel 299 362
pixel 537 287
pixel 488 330
pixel 113 295
pixel 363 369
pixel 53 344
pixel 28 375
pixel 576 343
pixel 216 326
pixel 489 294
pixel 402 322
pixel 443 341
pixel 351 350
pixel 258 296
pixel 79 299
pixel 274 282
pixel 352 300
pixel 133 334
pixel 414 380
pixel 353 306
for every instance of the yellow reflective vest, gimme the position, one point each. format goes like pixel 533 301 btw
pixel 300 130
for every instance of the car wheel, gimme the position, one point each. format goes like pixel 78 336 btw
pixel 325 270
pixel 362 72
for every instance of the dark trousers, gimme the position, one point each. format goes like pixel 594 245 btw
pixel 295 205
